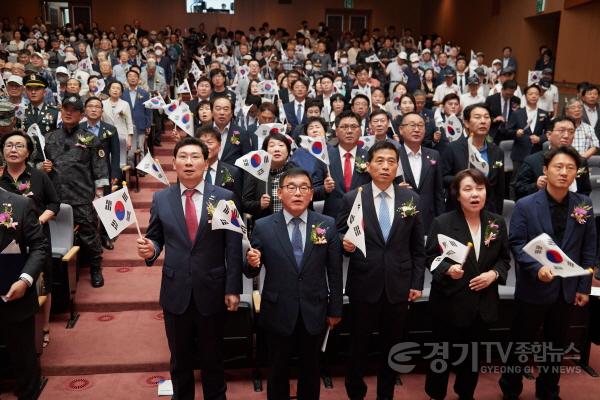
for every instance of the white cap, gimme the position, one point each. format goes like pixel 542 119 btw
pixel 402 55
pixel 496 61
pixel 414 57
pixel 70 58
pixel 62 70
pixel 426 51
pixel 15 79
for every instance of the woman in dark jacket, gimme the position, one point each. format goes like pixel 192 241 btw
pixel 464 296
pixel 20 178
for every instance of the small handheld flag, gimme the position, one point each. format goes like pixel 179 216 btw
pixel 452 249
pixel 316 146
pixel 476 159
pixel 195 71
pixel 35 133
pixel 226 216
pixel 356 230
pixel 372 59
pixel 268 87
pixel 453 128
pixel 543 249
pixel 184 88
pixel 183 119
pixel 155 103
pixel 116 212
pixel 533 77
pixel 366 142
pixel 256 163
pixel 153 168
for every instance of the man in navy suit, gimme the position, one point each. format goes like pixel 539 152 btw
pixel 142 116
pixel 422 168
pixel 501 106
pixel 201 275
pixel 295 111
pixel 381 285
pixel 542 299
pixel 347 162
pixel 527 127
pixel 234 140
pixel 302 295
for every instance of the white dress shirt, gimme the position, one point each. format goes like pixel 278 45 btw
pixel 531 117
pixel 196 198
pixel 224 134
pixel 352 159
pixel 389 200
pixel 592 114
pixel 414 159
pixel 290 226
pixel 302 103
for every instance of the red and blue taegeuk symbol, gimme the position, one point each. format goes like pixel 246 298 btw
pixel 234 218
pixel 255 160
pixel 450 130
pixel 172 107
pixel 360 144
pixel 317 148
pixel 268 87
pixel 186 118
pixel 120 210
pixel 554 256
pixel 155 168
pixel 155 101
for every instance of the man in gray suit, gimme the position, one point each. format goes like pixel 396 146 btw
pixel 19 303
pixel 201 273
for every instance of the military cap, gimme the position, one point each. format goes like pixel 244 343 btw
pixel 7 112
pixel 73 100
pixel 35 80
pixel 473 80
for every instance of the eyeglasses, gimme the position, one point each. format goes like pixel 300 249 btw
pixel 291 189
pixel 348 127
pixel 17 146
pixel 412 126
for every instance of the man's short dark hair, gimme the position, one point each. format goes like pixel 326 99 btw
pixel 589 88
pixel 560 118
pixel 469 109
pixel 410 113
pixel 216 72
pixel 382 145
pixel 566 150
pixel 532 86
pixel 190 141
pixel 213 101
pixel 361 68
pixel 473 173
pixel 347 114
pixel 208 130
pixel 379 112
pixel 450 96
pixel 92 99
pixel 313 103
pixel 268 106
pixel 302 81
pixel 360 96
pixel 292 172
pixel 204 78
pixel 134 71
pixel 509 84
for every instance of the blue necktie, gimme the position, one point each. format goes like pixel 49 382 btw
pixel 208 178
pixel 299 113
pixel 384 216
pixel 297 242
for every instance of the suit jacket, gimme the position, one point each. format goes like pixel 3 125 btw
pixel 430 129
pixel 317 170
pixel 234 149
pixel 430 187
pixel 205 270
pixel 110 142
pixel 359 177
pixel 314 292
pixel 452 300
pixel 142 116
pixel 494 103
pixel 533 167
pixel 456 158
pixel 586 119
pixel 290 114
pixel 120 119
pixel 28 234
pixel 531 217
pixel 391 267
pixel 230 177
pixel 522 146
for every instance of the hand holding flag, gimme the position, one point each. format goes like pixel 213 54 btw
pixel 35 133
pixel 226 216
pixel 543 249
pixel 476 159
pixel 452 249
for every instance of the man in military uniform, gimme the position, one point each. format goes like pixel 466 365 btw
pixel 38 112
pixel 76 163
pixel 7 122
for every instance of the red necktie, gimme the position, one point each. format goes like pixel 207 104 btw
pixel 347 171
pixel 191 219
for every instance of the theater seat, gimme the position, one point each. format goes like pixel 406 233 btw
pixel 507 210
pixel 506 146
pixel 238 333
pixel 507 292
pixel 426 287
pixel 64 260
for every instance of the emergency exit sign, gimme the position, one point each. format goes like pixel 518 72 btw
pixel 348 3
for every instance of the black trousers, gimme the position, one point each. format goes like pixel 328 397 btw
pixel 387 319
pixel 189 334
pixel 461 342
pixel 86 219
pixel 20 341
pixel 529 318
pixel 280 349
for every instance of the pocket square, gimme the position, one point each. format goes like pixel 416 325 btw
pixel 12 248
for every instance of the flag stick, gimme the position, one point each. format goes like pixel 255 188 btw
pixel 324 345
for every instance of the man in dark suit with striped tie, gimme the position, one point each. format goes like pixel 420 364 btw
pixel 381 285
pixel 201 275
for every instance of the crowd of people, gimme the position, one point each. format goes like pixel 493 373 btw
pixel 74 114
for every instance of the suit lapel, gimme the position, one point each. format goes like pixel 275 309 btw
pixel 218 174
pixel 355 174
pixel 175 200
pixel 408 175
pixel 398 200
pixel 371 214
pixel 205 222
pixel 283 236
pixel 570 222
pixel 543 210
pixel 425 166
pixel 308 244
pixel 336 168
